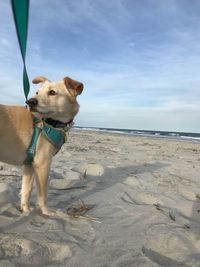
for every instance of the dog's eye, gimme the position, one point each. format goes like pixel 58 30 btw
pixel 52 92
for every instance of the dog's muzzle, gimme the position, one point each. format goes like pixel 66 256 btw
pixel 32 102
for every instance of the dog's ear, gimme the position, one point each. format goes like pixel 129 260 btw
pixel 39 79
pixel 74 87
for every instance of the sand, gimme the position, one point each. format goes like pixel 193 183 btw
pixel 120 201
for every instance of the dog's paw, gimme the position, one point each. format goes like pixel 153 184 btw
pixel 46 212
pixel 25 209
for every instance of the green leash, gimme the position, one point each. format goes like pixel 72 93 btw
pixel 20 10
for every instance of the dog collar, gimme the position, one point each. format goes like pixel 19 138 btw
pixel 59 124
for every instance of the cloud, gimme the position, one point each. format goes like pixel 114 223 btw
pixel 172 117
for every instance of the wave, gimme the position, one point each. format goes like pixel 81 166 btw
pixel 161 134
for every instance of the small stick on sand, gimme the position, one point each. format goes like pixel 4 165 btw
pixel 79 210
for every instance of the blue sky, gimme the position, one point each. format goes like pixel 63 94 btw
pixel 139 60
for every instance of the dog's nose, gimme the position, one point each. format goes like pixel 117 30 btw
pixel 32 102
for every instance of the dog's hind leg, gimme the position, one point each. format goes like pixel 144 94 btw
pixel 27 182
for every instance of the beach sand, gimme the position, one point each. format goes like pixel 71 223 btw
pixel 120 200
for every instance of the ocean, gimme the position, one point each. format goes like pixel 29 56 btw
pixel 162 134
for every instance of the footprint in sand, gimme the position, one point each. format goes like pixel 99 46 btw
pixel 23 251
pixel 70 179
pixel 5 198
pixel 170 247
pixel 90 169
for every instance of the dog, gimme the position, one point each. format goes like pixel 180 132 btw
pixel 54 102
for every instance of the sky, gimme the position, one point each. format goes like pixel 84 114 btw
pixel 139 60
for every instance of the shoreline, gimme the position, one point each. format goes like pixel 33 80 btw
pixel 173 138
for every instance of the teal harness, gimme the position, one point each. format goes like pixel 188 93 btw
pixel 55 136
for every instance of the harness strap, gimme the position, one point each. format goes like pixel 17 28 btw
pixel 56 137
pixel 32 147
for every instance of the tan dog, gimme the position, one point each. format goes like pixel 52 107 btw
pixel 54 100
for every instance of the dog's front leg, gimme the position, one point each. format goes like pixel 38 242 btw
pixel 41 175
pixel 27 182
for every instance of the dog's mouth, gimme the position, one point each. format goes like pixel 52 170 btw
pixel 43 113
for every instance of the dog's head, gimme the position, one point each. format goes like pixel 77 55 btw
pixel 56 100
